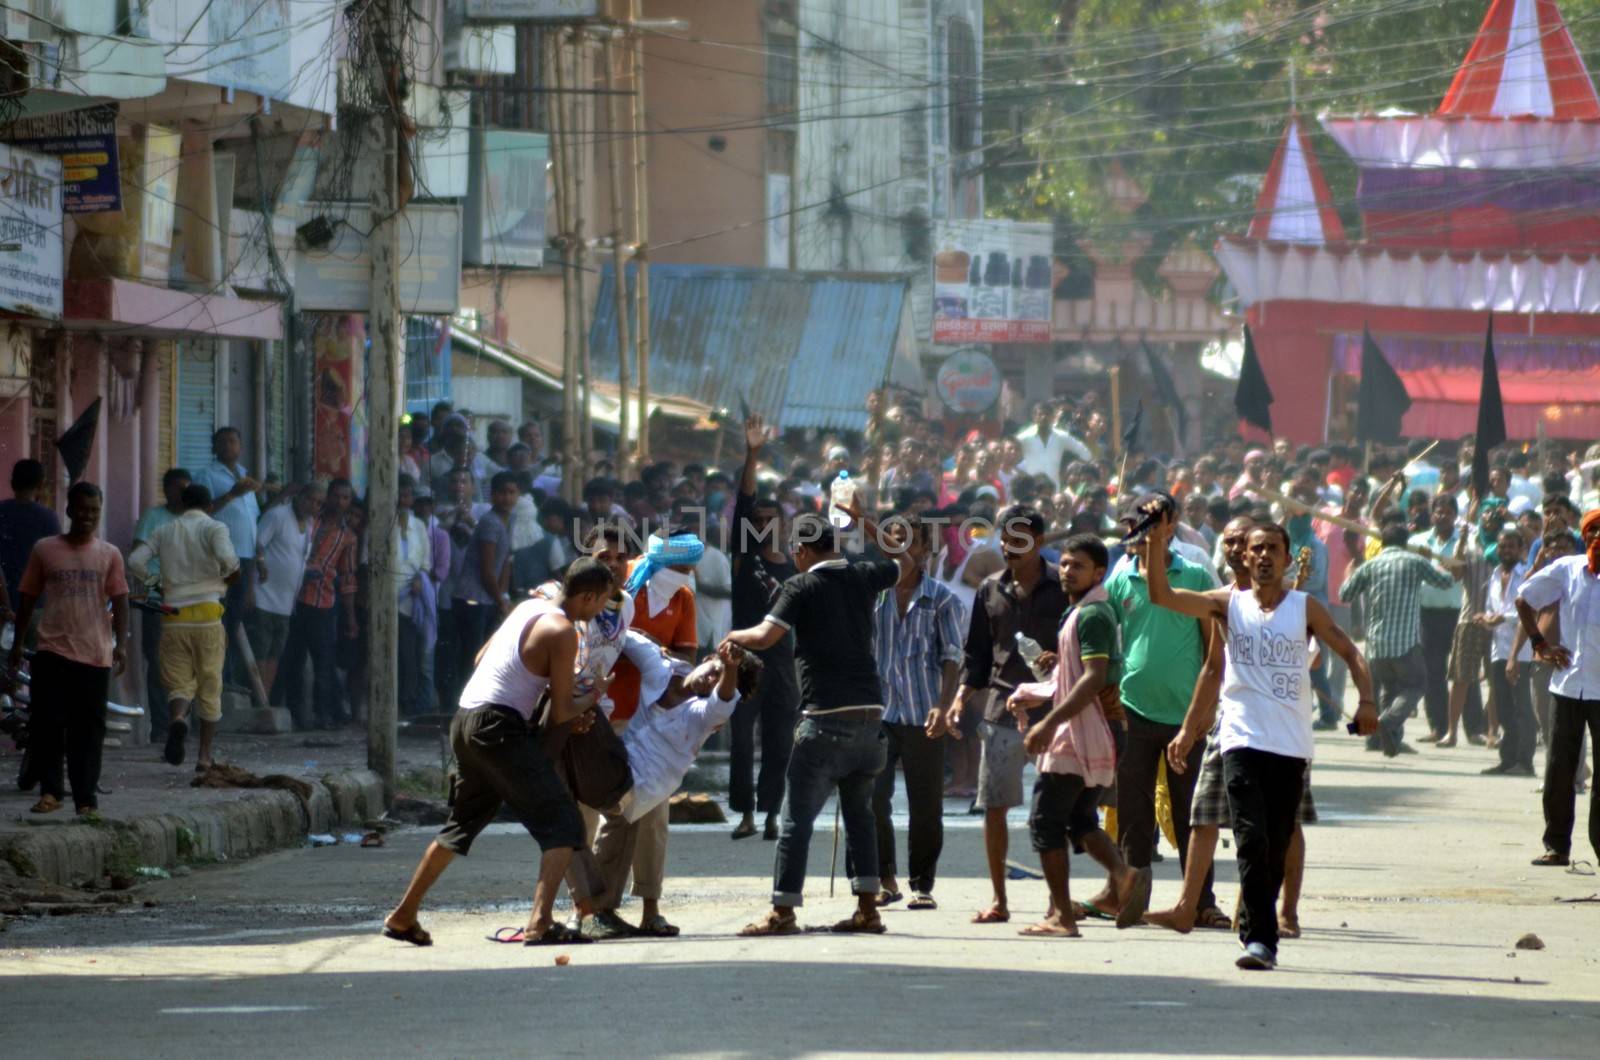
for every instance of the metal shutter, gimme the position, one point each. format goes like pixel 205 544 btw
pixel 197 402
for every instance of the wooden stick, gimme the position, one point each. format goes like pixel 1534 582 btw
pixel 1423 455
pixel 1337 520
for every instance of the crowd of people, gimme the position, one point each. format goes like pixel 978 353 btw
pixel 1158 638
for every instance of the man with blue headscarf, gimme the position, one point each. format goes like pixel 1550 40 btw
pixel 661 584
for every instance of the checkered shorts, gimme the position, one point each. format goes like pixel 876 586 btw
pixel 1210 805
pixel 1469 650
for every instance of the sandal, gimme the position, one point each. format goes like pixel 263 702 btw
pixel 889 898
pixel 46 804
pixel 1090 911
pixel 859 925
pixel 657 927
pixel 510 936
pixel 558 935
pixel 745 830
pixel 1548 858
pixel 1138 900
pixel 1215 919
pixel 770 926
pixel 922 901
pixel 413 934
pixel 991 915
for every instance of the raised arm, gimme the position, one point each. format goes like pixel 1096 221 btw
pixel 755 436
pixel 1204 606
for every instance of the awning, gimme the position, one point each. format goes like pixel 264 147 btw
pixel 131 308
pixel 802 348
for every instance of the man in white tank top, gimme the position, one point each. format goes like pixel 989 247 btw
pixel 1266 712
pixel 499 759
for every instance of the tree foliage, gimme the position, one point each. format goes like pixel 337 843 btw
pixel 1189 97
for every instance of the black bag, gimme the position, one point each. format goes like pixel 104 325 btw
pixel 593 764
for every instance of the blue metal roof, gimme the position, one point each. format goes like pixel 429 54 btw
pixel 803 348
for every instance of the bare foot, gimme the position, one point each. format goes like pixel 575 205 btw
pixel 995 914
pixel 1176 919
pixel 1053 927
pixel 1289 925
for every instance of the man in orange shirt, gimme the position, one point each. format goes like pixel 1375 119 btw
pixel 661 584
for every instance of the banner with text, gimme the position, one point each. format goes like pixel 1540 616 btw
pixel 991 282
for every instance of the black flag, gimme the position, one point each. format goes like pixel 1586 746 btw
pixel 1165 390
pixel 73 446
pixel 1382 400
pixel 1253 399
pixel 1130 433
pixel 1491 417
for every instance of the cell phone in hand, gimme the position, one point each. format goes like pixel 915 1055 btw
pixel 1353 729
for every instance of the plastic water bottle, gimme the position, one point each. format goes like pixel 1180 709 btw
pixel 841 495
pixel 1030 651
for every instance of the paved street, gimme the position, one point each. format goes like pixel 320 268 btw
pixel 1418 887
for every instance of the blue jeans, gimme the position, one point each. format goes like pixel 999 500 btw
pixel 843 750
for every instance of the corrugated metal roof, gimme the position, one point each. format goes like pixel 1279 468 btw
pixel 803 348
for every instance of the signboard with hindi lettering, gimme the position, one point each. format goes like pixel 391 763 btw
pixel 86 142
pixel 30 233
pixel 991 282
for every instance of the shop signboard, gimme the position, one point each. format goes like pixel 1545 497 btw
pixel 991 282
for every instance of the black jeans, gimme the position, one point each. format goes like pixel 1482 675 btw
pixel 1569 718
pixel 838 750
pixel 923 762
pixel 68 717
pixel 155 697
pixel 1438 632
pixel 1514 700
pixel 774 705
pixel 313 631
pixel 1264 792
pixel 1138 767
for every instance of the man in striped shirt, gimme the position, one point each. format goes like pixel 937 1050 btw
pixel 917 639
pixel 1390 587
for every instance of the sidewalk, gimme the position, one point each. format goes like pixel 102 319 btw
pixel 154 818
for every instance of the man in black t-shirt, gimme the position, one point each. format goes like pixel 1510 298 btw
pixel 839 741
pixel 760 569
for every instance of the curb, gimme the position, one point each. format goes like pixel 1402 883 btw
pixel 256 822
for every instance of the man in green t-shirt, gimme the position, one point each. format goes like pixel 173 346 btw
pixel 1163 652
pixel 1075 749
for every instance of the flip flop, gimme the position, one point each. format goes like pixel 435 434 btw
pixel 922 901
pixel 177 733
pixel 1550 858
pixel 889 898
pixel 855 925
pixel 413 934
pixel 743 831
pixel 1214 919
pixel 558 935
pixel 510 936
pixel 1041 931
pixel 1090 911
pixel 991 915
pixel 657 927
pixel 46 804
pixel 1132 911
pixel 769 928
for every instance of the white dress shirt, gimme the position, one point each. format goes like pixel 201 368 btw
pixel 1042 456
pixel 1568 582
pixel 196 555
pixel 1502 600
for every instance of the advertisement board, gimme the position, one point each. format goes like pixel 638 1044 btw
pixel 86 142
pixel 969 382
pixel 30 233
pixel 338 277
pixel 991 282
pixel 506 198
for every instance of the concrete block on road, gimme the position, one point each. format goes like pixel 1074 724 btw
pixel 264 721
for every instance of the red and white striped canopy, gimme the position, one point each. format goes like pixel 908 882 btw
pixel 1294 205
pixel 1523 62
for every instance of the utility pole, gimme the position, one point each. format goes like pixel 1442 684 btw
pixel 580 248
pixel 556 118
pixel 608 57
pixel 385 34
pixel 641 227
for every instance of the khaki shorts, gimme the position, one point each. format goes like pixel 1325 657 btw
pixel 191 666
pixel 1469 650
pixel 269 635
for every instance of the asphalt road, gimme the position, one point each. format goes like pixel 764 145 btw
pixel 1418 886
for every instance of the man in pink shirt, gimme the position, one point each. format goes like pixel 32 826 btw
pixel 78 646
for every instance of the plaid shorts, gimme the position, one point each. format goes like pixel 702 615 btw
pixel 1469 650
pixel 1210 805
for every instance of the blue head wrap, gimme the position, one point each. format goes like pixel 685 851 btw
pixel 679 550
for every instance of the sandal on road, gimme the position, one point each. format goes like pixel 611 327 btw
pixel 657 927
pixel 1215 919
pixel 558 935
pixel 1132 911
pixel 1090 911
pixel 889 898
pixel 991 915
pixel 922 901
pixel 857 924
pixel 46 804
pixel 509 936
pixel 770 926
pixel 1551 859
pixel 413 934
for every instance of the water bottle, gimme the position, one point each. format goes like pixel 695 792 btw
pixel 841 495
pixel 1030 651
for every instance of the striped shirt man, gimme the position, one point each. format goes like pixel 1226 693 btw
pixel 912 649
pixel 1390 588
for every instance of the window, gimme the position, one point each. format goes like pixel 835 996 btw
pixel 514 101
pixel 963 80
pixel 782 70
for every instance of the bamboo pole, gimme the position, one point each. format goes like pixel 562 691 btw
pixel 618 262
pixel 641 227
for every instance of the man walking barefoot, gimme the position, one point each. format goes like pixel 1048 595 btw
pixel 499 758
pixel 1267 710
